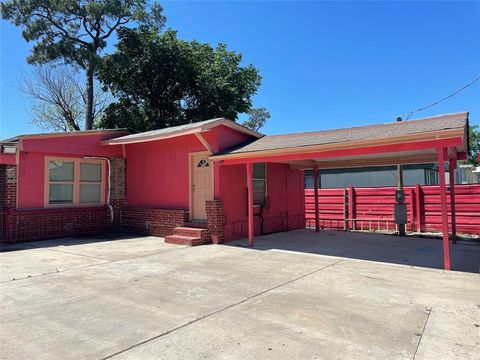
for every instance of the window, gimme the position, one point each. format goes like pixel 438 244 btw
pixel 61 182
pixel 74 182
pixel 90 183
pixel 203 163
pixel 259 184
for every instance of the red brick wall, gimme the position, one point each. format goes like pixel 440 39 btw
pixel 8 197
pixel 38 224
pixel 150 221
pixel 215 219
pixel 8 186
pixel 117 191
pixel 34 224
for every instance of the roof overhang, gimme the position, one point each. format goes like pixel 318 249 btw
pixel 138 138
pixel 119 132
pixel 412 149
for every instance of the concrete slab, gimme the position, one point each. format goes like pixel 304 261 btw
pixel 410 250
pixel 109 247
pixel 232 302
pixel 21 264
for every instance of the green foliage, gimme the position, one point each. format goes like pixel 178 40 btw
pixel 75 32
pixel 257 119
pixel 474 145
pixel 160 81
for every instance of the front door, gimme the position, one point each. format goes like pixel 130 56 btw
pixel 201 184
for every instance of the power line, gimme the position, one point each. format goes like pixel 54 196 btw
pixel 410 114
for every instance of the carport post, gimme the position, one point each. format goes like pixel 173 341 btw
pixel 250 202
pixel 442 154
pixel 315 187
pixel 451 172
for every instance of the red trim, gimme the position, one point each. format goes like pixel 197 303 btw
pixel 380 149
pixel 250 203
pixel 351 212
pixel 442 154
pixel 216 181
pixel 8 159
pixel 418 207
pixel 315 187
pixel 411 207
pixel 452 165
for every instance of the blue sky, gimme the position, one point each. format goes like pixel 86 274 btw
pixel 324 64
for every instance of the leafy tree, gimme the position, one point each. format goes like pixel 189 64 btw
pixel 76 31
pixel 59 98
pixel 474 145
pixel 257 119
pixel 160 81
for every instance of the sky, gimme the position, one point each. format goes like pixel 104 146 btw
pixel 324 65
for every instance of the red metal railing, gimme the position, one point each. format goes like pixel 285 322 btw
pixel 372 208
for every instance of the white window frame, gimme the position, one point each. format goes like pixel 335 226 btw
pixel 76 182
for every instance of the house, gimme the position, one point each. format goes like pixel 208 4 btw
pixel 211 179
pixel 64 184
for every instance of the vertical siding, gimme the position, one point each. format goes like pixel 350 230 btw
pixel 285 200
pixel 373 207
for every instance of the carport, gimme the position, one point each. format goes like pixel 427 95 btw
pixel 442 139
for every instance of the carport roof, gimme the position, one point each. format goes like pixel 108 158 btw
pixel 404 129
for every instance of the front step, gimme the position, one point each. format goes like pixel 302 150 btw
pixel 192 232
pixel 183 240
pixel 190 236
pixel 196 224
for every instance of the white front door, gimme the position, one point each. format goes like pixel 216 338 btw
pixel 201 184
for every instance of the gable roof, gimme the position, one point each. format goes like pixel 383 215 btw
pixel 429 127
pixel 181 130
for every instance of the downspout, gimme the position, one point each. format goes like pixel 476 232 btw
pixel 110 208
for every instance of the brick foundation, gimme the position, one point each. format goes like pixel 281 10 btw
pixel 151 221
pixel 27 225
pixel 214 209
pixel 36 224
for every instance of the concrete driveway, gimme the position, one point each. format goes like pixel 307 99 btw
pixel 138 298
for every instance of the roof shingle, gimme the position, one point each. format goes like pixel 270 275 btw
pixel 360 133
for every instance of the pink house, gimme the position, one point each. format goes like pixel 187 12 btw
pixel 160 182
pixel 211 180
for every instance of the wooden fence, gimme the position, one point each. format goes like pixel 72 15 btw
pixel 372 208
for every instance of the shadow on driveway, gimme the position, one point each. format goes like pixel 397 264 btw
pixel 410 250
pixel 70 241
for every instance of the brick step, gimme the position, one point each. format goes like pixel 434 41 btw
pixel 185 240
pixel 189 231
pixel 196 224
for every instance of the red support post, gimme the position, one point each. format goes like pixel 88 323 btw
pixel 442 155
pixel 250 203
pixel 451 169
pixel 351 204
pixel 411 220
pixel 315 187
pixel 418 207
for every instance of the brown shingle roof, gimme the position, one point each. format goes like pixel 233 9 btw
pixel 360 133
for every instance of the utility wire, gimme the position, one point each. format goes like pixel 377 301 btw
pixel 410 114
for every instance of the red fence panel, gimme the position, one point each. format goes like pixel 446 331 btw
pixel 372 208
